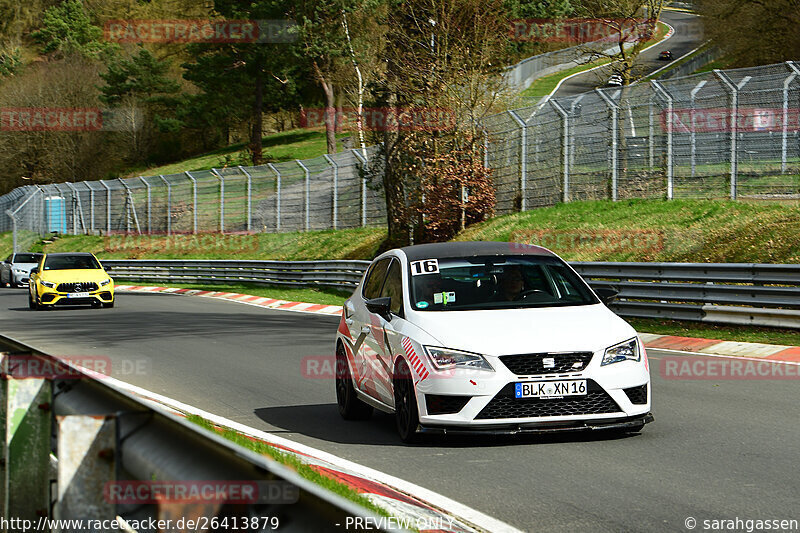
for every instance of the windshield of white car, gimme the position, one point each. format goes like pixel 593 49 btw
pixel 71 262
pixel 495 282
pixel 26 258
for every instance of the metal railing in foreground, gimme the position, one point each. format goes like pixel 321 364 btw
pixel 78 447
pixel 734 293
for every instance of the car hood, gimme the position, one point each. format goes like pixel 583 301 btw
pixel 509 331
pixel 73 275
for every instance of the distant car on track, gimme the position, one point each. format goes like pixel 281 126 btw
pixel 16 269
pixel 70 279
pixel 489 337
pixel 614 81
pixel 666 55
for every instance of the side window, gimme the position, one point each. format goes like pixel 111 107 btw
pixel 374 282
pixel 393 288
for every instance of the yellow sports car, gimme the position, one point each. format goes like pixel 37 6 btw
pixel 70 279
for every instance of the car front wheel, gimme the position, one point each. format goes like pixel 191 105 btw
pixel 350 406
pixel 405 403
pixel 32 302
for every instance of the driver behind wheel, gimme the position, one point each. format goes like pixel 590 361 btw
pixel 512 283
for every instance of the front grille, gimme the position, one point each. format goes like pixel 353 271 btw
pixel 531 364
pixel 440 404
pixel 637 395
pixel 505 405
pixel 85 286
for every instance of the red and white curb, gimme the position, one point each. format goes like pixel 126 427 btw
pixel 771 352
pixel 412 506
pixel 755 350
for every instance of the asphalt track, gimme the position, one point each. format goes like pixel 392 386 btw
pixel 717 450
pixel 688 36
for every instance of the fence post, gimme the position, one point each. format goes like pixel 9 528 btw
pixel 572 107
pixel 335 189
pixel 277 196
pixel 523 157
pixel 785 121
pixel 614 108
pixel 108 206
pixel 221 200
pixel 363 161
pixel 693 133
pixel 651 133
pixel 734 119
pixel 306 225
pixel 565 142
pixel 169 203
pixel 249 197
pixel 194 196
pixel 13 231
pixel 485 148
pixel 147 185
pixel 670 154
pixel 91 205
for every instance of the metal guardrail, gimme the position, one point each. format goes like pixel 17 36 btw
pixel 736 293
pixel 326 273
pixel 71 434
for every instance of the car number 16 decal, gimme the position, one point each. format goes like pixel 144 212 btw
pixel 425 266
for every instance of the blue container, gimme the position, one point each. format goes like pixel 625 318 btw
pixel 55 208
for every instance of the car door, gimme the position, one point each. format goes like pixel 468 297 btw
pixel 360 322
pixel 383 337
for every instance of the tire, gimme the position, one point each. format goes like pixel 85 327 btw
pixel 109 305
pixel 32 302
pixel 405 404
pixel 350 406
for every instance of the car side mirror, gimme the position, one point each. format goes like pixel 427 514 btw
pixel 380 306
pixel 606 294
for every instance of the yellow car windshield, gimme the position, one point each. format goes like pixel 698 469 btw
pixel 71 262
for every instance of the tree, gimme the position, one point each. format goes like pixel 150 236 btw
pixel 67 28
pixel 140 88
pixel 624 19
pixel 443 57
pixel 752 32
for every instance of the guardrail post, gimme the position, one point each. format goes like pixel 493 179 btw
pixel 194 196
pixel 86 461
pixel 147 185
pixel 523 157
pixel 614 108
pixel 335 168
pixel 565 142
pixel 306 224
pixel 221 200
pixel 693 133
pixel 25 440
pixel 249 197
pixel 785 121
pixel 108 206
pixel 734 119
pixel 363 161
pixel 169 203
pixel 670 126
pixel 277 196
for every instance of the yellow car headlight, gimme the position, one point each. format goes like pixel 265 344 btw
pixel 49 284
pixel 105 282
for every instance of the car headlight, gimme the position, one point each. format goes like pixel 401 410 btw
pixel 444 358
pixel 105 282
pixel 624 351
pixel 49 284
pixel 20 271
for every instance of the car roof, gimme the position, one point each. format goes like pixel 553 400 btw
pixel 471 249
pixel 63 254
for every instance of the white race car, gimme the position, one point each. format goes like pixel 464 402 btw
pixel 487 336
